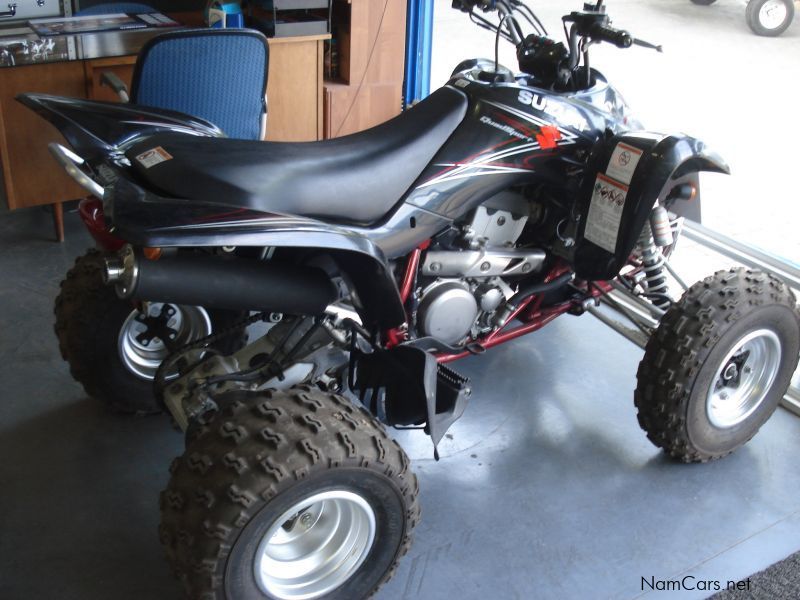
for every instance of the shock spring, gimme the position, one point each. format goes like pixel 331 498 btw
pixel 654 282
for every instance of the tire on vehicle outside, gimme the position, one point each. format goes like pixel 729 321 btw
pixel 756 12
pixel 88 319
pixel 224 520
pixel 718 364
pixel 704 2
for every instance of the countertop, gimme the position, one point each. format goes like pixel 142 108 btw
pixel 20 46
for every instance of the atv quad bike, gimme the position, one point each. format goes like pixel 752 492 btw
pixel 497 204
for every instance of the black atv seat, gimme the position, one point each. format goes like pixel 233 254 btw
pixel 353 179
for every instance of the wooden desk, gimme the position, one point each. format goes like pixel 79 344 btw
pixel 32 177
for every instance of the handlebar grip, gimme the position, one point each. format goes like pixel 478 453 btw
pixel 619 37
pixel 468 5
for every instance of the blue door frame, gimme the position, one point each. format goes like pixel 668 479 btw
pixel 419 34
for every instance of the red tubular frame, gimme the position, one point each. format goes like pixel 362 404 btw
pixel 530 313
pixel 540 319
pixel 399 334
pixel 411 272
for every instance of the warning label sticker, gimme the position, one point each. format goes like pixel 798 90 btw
pixel 605 213
pixel 153 157
pixel 623 162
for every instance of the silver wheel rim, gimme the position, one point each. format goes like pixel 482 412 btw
pixel 315 546
pixel 772 14
pixel 190 323
pixel 743 378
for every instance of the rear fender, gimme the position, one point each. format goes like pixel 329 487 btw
pixel 91 212
pixel 143 218
pixel 627 175
pixel 96 130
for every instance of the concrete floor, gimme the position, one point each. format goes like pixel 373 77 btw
pixel 546 489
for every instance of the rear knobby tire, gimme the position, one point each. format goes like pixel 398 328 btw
pixel 88 318
pixel 268 452
pixel 681 366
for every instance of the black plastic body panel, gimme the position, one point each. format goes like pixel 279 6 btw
pixel 100 130
pixel 665 161
pixel 504 142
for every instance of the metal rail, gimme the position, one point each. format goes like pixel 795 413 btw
pixel 637 310
pixel 743 253
pixel 634 335
pixel 791 400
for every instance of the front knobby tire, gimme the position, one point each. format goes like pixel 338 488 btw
pixel 718 364
pixel 268 479
pixel 89 318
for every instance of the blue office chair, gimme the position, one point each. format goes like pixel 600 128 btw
pixel 111 8
pixel 219 75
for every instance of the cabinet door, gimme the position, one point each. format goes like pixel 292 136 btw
pixel 121 66
pixel 31 175
pixel 294 90
pixel 350 109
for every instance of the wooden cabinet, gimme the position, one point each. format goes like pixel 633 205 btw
pixel 294 89
pixel 349 109
pixel 30 174
pixel 370 41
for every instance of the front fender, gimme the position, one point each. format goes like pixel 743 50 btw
pixel 627 175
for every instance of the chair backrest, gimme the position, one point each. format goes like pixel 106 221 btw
pixel 111 8
pixel 216 74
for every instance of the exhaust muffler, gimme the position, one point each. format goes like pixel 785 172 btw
pixel 230 282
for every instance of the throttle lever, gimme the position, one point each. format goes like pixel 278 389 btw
pixel 643 44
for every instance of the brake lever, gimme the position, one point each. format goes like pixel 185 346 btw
pixel 644 44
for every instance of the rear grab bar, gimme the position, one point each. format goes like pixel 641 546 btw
pixel 72 163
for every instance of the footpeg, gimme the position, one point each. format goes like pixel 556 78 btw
pixel 414 388
pixel 452 392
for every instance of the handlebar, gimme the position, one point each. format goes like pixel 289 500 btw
pixel 468 5
pixel 505 8
pixel 553 63
pixel 619 37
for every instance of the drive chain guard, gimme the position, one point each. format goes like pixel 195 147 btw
pixel 414 389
